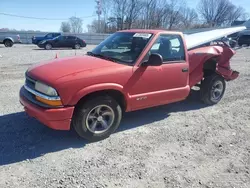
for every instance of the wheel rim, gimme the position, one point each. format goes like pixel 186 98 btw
pixel 77 46
pixel 48 46
pixel 100 119
pixel 7 44
pixel 217 90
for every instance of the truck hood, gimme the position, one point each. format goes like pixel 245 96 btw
pixel 51 71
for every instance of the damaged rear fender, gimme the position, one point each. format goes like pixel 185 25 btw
pixel 210 54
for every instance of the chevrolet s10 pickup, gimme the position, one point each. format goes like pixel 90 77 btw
pixel 91 92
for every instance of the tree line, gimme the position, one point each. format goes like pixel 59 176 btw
pixel 160 14
pixel 74 25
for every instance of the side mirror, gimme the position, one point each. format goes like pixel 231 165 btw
pixel 154 60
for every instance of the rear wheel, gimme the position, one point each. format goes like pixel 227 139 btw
pixel 97 118
pixel 8 43
pixel 77 46
pixel 212 89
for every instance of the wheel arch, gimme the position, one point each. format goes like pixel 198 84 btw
pixel 49 43
pixel 113 90
pixel 8 38
pixel 209 67
pixel 117 95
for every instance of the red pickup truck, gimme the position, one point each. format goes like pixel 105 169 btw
pixel 91 92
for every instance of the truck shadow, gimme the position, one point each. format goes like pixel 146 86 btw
pixel 24 138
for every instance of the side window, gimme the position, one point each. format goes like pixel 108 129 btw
pixel 71 38
pixel 170 47
pixel 55 34
pixel 49 35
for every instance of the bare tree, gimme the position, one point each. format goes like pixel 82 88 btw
pixel 147 6
pixel 65 27
pixel 216 12
pixel 170 14
pixel 94 27
pixel 134 7
pixel 189 17
pixel 237 13
pixel 151 14
pixel 119 10
pixel 106 10
pixel 173 15
pixel 76 24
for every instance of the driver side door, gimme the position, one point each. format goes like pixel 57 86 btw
pixel 157 85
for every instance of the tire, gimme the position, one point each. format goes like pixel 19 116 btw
pixel 48 46
pixel 8 43
pixel 86 121
pixel 212 89
pixel 77 46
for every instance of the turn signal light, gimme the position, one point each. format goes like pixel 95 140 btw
pixel 49 102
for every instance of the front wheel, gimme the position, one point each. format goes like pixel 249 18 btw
pixel 212 89
pixel 48 46
pixel 97 118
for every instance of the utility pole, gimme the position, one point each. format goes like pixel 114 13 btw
pixel 99 12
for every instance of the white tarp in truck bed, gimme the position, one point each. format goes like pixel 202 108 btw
pixel 197 39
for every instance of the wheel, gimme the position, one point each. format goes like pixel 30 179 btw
pixel 48 46
pixel 212 89
pixel 77 46
pixel 8 43
pixel 97 118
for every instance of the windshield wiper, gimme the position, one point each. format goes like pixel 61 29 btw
pixel 103 57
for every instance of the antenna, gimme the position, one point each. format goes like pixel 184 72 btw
pixel 98 12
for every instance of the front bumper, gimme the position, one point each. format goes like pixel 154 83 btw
pixel 58 118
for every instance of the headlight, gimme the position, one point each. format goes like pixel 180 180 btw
pixel 45 89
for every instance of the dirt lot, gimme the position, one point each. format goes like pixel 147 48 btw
pixel 185 144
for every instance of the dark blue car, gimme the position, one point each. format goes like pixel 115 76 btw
pixel 36 40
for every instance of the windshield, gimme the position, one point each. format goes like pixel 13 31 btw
pixel 124 47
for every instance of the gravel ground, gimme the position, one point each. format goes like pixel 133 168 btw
pixel 184 144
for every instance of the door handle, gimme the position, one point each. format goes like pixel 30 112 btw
pixel 185 70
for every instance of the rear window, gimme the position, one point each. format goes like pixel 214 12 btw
pixel 50 35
